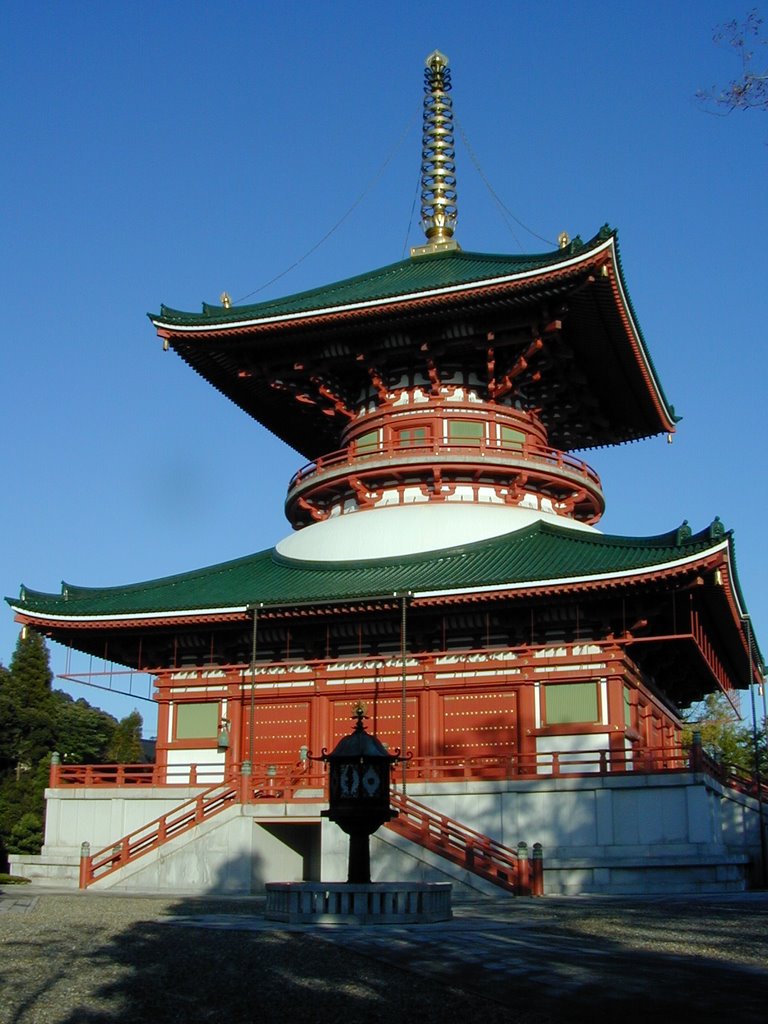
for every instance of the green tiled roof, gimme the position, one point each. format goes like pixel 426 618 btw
pixel 536 554
pixel 419 274
pixel 247 351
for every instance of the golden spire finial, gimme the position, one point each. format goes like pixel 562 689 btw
pixel 438 169
pixel 225 300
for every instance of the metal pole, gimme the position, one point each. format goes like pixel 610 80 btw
pixel 252 715
pixel 756 748
pixel 404 708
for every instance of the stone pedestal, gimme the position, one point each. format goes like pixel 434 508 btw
pixel 345 903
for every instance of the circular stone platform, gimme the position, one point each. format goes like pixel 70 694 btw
pixel 345 903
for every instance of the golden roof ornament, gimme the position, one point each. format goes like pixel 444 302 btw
pixel 439 211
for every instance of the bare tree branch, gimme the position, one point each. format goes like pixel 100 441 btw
pixel 749 91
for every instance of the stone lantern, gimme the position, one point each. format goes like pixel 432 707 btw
pixel 359 768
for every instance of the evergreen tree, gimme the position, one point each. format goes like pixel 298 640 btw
pixel 125 747
pixel 35 721
pixel 26 710
pixel 83 733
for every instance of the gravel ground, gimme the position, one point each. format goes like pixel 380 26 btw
pixel 90 958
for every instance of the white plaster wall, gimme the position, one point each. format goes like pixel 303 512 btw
pixel 209 764
pixel 571 745
pixel 102 816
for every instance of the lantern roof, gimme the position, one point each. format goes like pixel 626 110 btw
pixel 359 744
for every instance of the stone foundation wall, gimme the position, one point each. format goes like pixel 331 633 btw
pixel 623 834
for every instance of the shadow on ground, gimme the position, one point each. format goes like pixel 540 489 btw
pixel 517 962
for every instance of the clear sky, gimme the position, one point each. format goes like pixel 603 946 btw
pixel 167 151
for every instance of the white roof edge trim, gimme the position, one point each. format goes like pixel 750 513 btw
pixel 639 342
pixel 743 613
pixel 186 613
pixel 641 571
pixel 376 303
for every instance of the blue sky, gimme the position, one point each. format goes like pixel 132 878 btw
pixel 165 152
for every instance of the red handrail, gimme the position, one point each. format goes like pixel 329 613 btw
pixel 503 866
pixel 536 454
pixel 157 832
pixel 287 781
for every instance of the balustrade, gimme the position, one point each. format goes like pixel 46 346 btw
pixel 294 783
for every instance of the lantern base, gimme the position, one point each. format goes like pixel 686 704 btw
pixel 345 903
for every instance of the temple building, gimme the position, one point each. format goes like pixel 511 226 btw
pixel 446 569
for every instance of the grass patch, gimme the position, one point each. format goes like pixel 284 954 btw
pixel 13 879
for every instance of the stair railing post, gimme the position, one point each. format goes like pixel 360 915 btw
pixel 85 864
pixel 537 870
pixel 53 778
pixel 245 782
pixel 523 870
pixel 697 753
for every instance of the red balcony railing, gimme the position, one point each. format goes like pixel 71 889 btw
pixel 430 451
pixel 304 782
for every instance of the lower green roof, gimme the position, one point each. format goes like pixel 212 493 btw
pixel 539 554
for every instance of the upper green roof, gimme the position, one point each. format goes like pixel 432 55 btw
pixel 537 554
pixel 414 275
pixel 600 386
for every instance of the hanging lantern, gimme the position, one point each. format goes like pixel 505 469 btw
pixel 222 740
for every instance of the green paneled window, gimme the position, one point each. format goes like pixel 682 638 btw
pixel 412 437
pixel 466 432
pixel 368 442
pixel 566 703
pixel 512 438
pixel 197 721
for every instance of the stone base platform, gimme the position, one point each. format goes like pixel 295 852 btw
pixel 345 903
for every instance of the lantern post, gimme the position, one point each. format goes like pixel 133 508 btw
pixel 359 769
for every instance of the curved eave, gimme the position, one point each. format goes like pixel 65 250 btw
pixel 525 588
pixel 201 342
pixel 177 325
pixel 642 356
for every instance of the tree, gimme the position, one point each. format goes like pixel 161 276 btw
pixel 749 91
pixel 723 736
pixel 83 733
pixel 34 721
pixel 125 747
pixel 26 710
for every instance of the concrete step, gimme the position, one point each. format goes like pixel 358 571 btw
pixel 46 869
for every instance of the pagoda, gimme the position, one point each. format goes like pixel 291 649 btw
pixel 444 569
